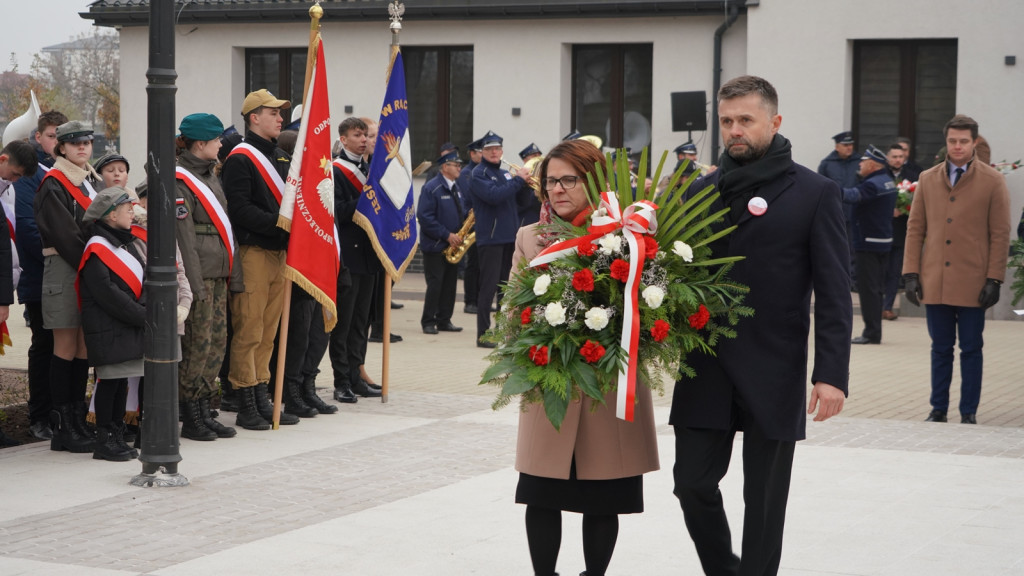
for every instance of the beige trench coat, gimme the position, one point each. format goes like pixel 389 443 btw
pixel 605 447
pixel 958 236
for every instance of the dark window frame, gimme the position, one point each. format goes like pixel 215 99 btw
pixel 617 98
pixel 442 111
pixel 907 123
pixel 285 55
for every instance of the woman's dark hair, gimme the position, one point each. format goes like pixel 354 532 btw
pixel 182 143
pixel 580 154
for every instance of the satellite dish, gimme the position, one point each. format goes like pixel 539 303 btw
pixel 23 126
pixel 636 130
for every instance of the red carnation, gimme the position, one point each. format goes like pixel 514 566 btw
pixel 526 315
pixel 660 330
pixel 699 318
pixel 583 280
pixel 592 351
pixel 586 249
pixel 539 355
pixel 620 269
pixel 650 247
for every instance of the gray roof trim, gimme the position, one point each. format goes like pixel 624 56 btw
pixel 136 12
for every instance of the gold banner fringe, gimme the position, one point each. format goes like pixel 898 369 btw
pixel 367 226
pixel 329 307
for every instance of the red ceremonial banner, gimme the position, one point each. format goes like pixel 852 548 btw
pixel 307 208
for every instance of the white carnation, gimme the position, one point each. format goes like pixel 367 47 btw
pixel 554 313
pixel 653 296
pixel 683 250
pixel 596 318
pixel 540 285
pixel 610 244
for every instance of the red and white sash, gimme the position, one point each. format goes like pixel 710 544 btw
pixel 119 260
pixel 266 169
pixel 213 208
pixel 352 172
pixel 83 200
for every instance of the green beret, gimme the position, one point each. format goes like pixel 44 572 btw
pixel 201 127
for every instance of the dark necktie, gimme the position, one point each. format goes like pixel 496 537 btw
pixel 957 174
pixel 458 199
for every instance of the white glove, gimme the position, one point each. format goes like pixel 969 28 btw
pixel 182 314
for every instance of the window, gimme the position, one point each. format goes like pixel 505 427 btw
pixel 612 93
pixel 439 85
pixel 904 88
pixel 282 71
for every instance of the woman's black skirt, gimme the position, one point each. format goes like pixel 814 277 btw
pixel 616 496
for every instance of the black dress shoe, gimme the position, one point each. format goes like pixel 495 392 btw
pixel 430 329
pixel 362 388
pixel 936 416
pixel 345 396
pixel 863 340
pixel 968 419
pixel 449 327
pixel 469 309
pixel 397 305
pixel 481 344
pixel 378 339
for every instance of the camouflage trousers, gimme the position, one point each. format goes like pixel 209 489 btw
pixel 204 342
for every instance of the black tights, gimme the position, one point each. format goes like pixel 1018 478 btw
pixel 544 536
pixel 111 394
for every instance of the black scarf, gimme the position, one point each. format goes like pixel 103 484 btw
pixel 740 182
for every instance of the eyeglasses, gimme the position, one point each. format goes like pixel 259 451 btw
pixel 567 182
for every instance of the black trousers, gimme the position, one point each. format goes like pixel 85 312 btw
pixel 442 279
pixel 39 353
pixel 495 265
pixel 871 290
pixel 307 340
pixel 702 459
pixel 471 277
pixel 893 272
pixel 348 339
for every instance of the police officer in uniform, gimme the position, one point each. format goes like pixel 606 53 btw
pixel 440 212
pixel 494 193
pixel 528 202
pixel 842 166
pixel 874 200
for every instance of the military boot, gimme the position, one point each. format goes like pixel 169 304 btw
pixel 107 446
pixel 219 429
pixel 294 403
pixel 193 426
pixel 266 408
pixel 65 435
pixel 248 416
pixel 228 397
pixel 79 421
pixel 313 399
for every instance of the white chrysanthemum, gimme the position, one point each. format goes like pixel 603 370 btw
pixel 596 318
pixel 540 285
pixel 554 313
pixel 683 250
pixel 610 244
pixel 653 296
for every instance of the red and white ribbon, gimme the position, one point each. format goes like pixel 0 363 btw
pixel 213 208
pixel 263 166
pixel 635 221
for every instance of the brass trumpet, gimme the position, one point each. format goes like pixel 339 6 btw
pixel 455 254
pixel 531 165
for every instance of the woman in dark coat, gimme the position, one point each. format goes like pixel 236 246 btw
pixel 113 315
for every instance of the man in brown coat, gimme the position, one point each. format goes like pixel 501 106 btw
pixel 958 240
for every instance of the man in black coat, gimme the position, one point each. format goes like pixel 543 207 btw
pixel 791 233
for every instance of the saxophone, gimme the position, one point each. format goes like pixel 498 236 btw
pixel 454 255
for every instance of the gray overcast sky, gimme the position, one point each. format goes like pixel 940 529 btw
pixel 24 32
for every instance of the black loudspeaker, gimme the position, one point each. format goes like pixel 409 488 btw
pixel 689 111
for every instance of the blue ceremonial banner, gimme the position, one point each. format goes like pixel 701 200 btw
pixel 385 210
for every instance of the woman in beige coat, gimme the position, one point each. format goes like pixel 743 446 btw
pixel 595 463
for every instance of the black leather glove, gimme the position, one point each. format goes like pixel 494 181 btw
pixel 912 289
pixel 990 293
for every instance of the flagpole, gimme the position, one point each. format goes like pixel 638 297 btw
pixel 395 9
pixel 315 13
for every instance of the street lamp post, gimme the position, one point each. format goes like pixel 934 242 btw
pixel 160 455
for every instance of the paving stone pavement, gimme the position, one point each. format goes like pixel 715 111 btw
pixel 423 483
